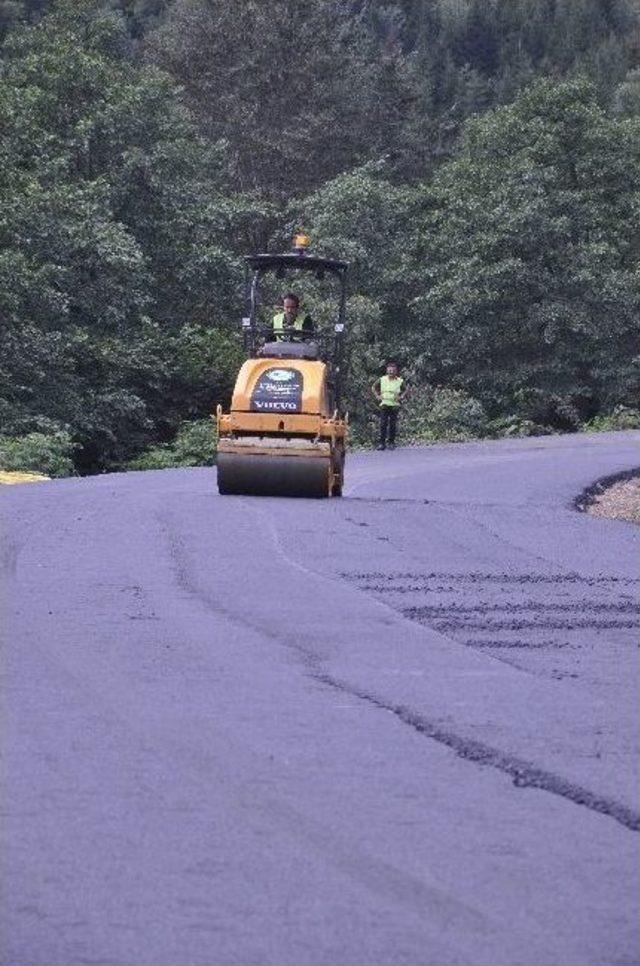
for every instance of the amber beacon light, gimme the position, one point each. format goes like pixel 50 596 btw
pixel 301 243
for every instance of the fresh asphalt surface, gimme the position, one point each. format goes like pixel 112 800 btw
pixel 396 728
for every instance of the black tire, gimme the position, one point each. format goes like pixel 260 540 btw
pixel 339 457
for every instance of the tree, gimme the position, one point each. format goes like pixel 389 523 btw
pixel 265 78
pixel 526 269
pixel 114 211
pixel 365 218
pixel 627 97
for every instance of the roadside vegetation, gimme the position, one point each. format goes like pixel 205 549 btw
pixel 477 163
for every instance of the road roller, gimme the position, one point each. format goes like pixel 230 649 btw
pixel 285 433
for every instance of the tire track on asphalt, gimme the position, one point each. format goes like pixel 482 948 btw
pixel 525 774
pixel 377 875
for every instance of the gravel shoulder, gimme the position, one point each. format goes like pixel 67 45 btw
pixel 619 501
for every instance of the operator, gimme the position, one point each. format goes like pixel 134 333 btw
pixel 292 318
pixel 390 392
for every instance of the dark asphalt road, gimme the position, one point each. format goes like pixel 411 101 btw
pixel 398 728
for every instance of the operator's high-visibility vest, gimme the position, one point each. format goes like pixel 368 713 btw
pixel 390 390
pixel 278 324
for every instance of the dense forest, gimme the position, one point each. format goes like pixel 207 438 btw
pixel 476 161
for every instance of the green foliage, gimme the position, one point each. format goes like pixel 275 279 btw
pixel 543 408
pixel 115 393
pixel 517 426
pixel 526 272
pixel 621 417
pixel 361 217
pixel 194 445
pixel 50 454
pixel 204 363
pixel 627 96
pixel 271 80
pixel 366 219
pixel 440 413
pixel 147 144
pixel 115 205
pixel 394 80
pixel 114 210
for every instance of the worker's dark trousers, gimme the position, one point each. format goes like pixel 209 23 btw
pixel 388 424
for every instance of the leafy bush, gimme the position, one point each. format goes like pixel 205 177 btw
pixel 155 458
pixel 622 417
pixel 38 453
pixel 517 426
pixel 443 414
pixel 546 409
pixel 194 445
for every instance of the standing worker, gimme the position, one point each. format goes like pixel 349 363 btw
pixel 390 392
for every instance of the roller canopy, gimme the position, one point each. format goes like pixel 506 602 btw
pixel 310 263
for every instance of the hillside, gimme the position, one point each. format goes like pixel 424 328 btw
pixel 477 161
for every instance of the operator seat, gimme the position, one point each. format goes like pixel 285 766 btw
pixel 290 350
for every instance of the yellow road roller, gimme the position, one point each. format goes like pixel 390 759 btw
pixel 285 433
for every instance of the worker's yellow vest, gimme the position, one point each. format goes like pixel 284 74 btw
pixel 278 323
pixel 390 390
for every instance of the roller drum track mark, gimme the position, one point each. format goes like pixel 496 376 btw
pixel 524 773
pixel 529 605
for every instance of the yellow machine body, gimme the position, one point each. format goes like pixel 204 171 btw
pixel 314 389
pixel 281 435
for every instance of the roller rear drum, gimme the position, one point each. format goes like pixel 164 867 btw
pixel 260 475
